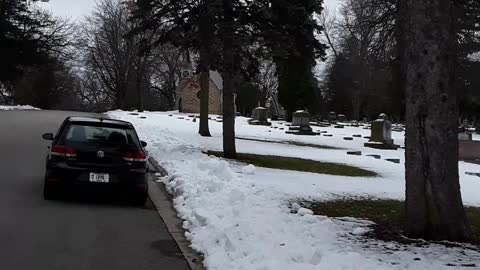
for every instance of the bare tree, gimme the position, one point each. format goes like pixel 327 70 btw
pixel 363 40
pixel 166 69
pixel 329 23
pixel 110 55
pixel 434 208
pixel 266 81
pixel 358 39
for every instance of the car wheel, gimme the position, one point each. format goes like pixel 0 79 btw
pixel 49 192
pixel 140 199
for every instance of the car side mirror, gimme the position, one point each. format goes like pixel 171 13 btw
pixel 48 136
pixel 144 144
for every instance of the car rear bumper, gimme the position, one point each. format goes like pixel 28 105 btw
pixel 63 174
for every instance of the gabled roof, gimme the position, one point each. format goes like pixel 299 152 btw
pixel 216 79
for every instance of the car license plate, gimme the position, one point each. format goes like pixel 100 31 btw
pixel 99 177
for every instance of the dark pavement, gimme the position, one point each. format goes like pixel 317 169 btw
pixel 68 234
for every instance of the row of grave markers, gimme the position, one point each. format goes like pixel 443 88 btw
pixel 381 129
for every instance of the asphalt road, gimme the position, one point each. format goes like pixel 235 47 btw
pixel 68 234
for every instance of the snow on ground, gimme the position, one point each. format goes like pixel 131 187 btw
pixel 242 217
pixel 17 107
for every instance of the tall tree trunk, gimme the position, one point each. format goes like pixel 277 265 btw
pixel 229 149
pixel 140 98
pixel 205 35
pixel 140 76
pixel 434 208
pixel 356 106
pixel 120 98
pixel 204 100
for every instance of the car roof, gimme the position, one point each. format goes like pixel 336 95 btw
pixel 99 119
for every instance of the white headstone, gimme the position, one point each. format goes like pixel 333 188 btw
pixel 301 118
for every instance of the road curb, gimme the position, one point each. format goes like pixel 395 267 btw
pixel 164 207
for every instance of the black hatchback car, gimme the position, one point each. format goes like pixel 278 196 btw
pixel 96 153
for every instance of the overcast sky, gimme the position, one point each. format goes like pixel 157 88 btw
pixel 74 9
pixel 77 9
pixel 332 4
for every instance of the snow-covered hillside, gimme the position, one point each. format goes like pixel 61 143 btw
pixel 242 217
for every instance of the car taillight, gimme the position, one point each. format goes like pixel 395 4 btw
pixel 62 151
pixel 135 156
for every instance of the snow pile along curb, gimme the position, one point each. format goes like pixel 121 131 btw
pixel 238 225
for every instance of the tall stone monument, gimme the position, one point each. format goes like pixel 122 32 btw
pixel 332 117
pixel 301 124
pixel 260 117
pixel 381 134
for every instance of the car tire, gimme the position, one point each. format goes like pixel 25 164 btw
pixel 49 192
pixel 140 199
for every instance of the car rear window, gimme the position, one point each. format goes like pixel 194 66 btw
pixel 78 133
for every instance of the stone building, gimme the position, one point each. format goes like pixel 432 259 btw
pixel 188 92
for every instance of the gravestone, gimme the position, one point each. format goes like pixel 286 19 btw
pixel 332 117
pixel 341 118
pixel 301 124
pixel 464 136
pixel 301 118
pixel 259 117
pixel 381 134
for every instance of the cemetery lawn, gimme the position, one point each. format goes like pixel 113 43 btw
pixel 252 215
pixel 298 164
pixel 387 214
pixel 296 143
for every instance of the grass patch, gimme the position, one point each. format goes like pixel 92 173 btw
pixel 318 146
pixel 388 214
pixel 298 164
